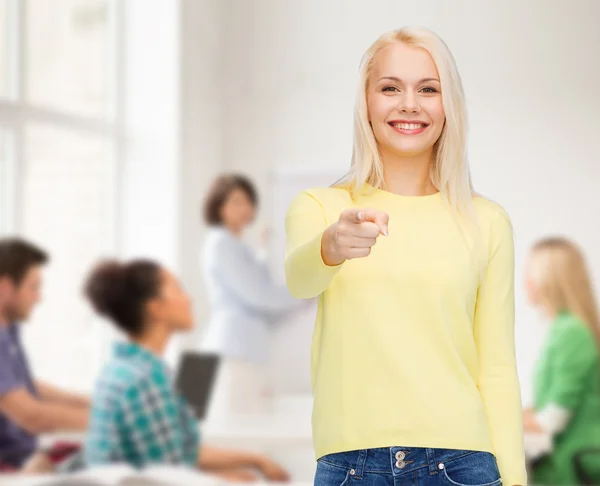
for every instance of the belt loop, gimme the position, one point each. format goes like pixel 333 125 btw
pixel 431 462
pixel 360 464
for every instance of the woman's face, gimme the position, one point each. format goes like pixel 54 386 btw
pixel 238 211
pixel 404 101
pixel 173 305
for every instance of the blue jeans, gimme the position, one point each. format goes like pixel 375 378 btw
pixel 408 466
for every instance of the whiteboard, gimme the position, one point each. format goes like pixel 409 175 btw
pixel 290 352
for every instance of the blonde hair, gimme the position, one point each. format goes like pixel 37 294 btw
pixel 449 170
pixel 560 274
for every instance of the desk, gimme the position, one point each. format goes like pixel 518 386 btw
pixel 285 435
pixel 54 480
pixel 267 429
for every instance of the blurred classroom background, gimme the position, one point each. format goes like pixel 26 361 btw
pixel 116 116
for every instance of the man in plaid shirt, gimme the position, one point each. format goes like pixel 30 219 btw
pixel 137 417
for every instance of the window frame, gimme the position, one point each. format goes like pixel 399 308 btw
pixel 16 113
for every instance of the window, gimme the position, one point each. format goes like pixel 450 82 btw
pixel 68 208
pixel 67 55
pixel 59 163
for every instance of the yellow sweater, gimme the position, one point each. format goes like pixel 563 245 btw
pixel 414 344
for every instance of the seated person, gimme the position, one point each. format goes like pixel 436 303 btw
pixel 567 379
pixel 28 407
pixel 137 416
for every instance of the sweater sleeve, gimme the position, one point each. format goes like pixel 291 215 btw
pixel 307 276
pixel 494 338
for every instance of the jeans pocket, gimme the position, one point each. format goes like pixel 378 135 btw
pixel 474 469
pixel 329 474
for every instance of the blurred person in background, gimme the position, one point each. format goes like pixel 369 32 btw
pixel 137 416
pixel 28 407
pixel 245 301
pixel 414 370
pixel 567 376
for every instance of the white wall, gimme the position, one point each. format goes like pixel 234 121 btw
pixel 201 142
pixel 201 122
pixel 530 74
pixel 150 114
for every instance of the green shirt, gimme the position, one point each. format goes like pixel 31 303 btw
pixel 137 416
pixel 568 375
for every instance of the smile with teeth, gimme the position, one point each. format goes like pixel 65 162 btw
pixel 409 126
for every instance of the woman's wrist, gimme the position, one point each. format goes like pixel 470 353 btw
pixel 329 255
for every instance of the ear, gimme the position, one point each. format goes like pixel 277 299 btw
pixel 5 283
pixel 154 309
pixel 6 290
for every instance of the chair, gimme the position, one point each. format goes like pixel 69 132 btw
pixel 584 475
pixel 8 457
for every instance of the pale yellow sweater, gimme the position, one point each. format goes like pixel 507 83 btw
pixel 414 344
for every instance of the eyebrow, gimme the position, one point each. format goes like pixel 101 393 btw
pixel 398 80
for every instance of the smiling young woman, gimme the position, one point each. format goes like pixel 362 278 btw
pixel 413 367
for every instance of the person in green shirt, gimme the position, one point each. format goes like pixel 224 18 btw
pixel 567 375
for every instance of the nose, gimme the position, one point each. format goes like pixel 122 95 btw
pixel 408 102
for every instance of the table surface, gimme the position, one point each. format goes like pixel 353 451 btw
pixel 113 474
pixel 55 480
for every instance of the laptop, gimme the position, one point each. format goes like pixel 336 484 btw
pixel 195 380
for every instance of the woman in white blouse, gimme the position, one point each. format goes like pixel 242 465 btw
pixel 245 302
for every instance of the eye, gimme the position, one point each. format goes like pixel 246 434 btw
pixel 389 89
pixel 429 89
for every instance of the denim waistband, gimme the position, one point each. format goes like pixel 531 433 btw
pixel 396 460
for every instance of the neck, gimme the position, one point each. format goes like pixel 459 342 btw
pixel 155 339
pixel 549 312
pixel 408 175
pixel 4 320
pixel 237 232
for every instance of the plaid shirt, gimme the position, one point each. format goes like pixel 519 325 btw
pixel 137 416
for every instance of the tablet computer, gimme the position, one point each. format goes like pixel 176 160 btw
pixel 196 378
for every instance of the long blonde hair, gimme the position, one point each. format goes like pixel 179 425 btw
pixel 449 170
pixel 562 280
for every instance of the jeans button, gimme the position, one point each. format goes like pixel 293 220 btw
pixel 400 464
pixel 400 455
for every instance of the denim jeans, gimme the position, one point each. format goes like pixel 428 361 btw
pixel 408 466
